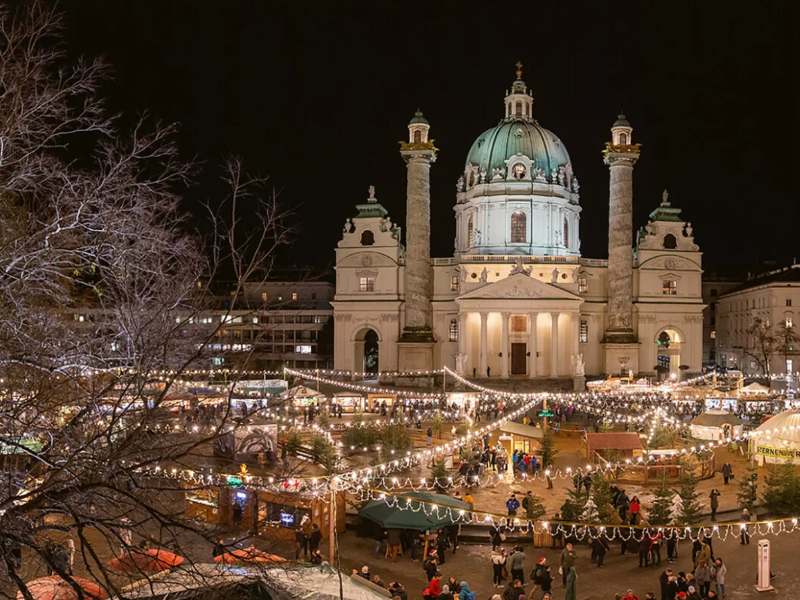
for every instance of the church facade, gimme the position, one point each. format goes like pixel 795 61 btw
pixel 517 299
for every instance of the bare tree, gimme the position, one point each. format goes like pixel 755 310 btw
pixel 763 343
pixel 101 283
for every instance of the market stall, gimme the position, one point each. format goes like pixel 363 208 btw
pixel 778 439
pixel 716 425
pixel 376 400
pixel 516 436
pixel 302 395
pixel 349 401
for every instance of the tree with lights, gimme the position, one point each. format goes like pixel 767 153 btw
pixel 575 504
pixel 661 513
pixel 782 490
pixel 548 450
pixel 602 498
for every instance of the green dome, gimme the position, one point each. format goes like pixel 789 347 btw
pixel 622 121
pixel 512 136
pixel 418 118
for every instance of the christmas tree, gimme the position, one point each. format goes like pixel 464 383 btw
pixel 533 507
pixel 689 512
pixel 549 451
pixel 439 473
pixel 602 498
pixel 661 513
pixel 748 489
pixel 575 504
pixel 782 490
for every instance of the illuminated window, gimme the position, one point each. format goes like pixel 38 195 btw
pixel 454 283
pixel 217 361
pixel 670 242
pixel 713 335
pixel 583 333
pixel 789 322
pixel 566 233
pixel 255 320
pixel 263 296
pixel 294 295
pixel 669 287
pixel 453 330
pixel 519 227
pixel 789 365
pixel 583 285
pixel 470 231
pixel 366 284
pixel 302 349
pixel 518 171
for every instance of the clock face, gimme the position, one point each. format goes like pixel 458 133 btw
pixel 518 171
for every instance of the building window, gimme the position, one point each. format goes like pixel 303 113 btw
pixel 417 136
pixel 255 320
pixel 518 108
pixel 583 333
pixel 669 287
pixel 623 139
pixel 454 283
pixel 519 226
pixel 566 233
pixel 367 238
pixel 788 302
pixel 789 365
pixel 583 285
pixel 217 361
pixel 713 335
pixel 518 171
pixel 263 296
pixel 663 340
pixel 470 232
pixel 453 330
pixel 366 284
pixel 789 322
pixel 302 349
pixel 670 242
pixel 313 295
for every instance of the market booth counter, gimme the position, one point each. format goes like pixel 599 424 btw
pixel 276 515
pixel 516 436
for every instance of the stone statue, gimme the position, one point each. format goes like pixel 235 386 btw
pixel 386 224
pixel 483 176
pixel 461 363
pixel 554 278
pixel 557 238
pixel 477 237
pixel 579 244
pixel 519 267
pixel 348 226
pixel 540 175
pixel 689 230
pixel 576 187
pixel 554 176
pixel 665 198
pixel 578 365
pixel 562 178
pixel 372 197
pixel 484 275
pixel 574 275
pixel 463 274
pixel 460 184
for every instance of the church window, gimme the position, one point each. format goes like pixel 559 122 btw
pixel 417 136
pixel 518 171
pixel 669 287
pixel 788 321
pixel 519 227
pixel 454 283
pixel 583 332
pixel 583 285
pixel 788 302
pixel 670 242
pixel 470 232
pixel 518 108
pixel 566 233
pixel 471 178
pixel 453 330
pixel 366 284
pixel 713 335
pixel 623 139
pixel 294 295
pixel 367 238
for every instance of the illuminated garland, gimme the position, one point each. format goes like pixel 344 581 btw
pixel 364 388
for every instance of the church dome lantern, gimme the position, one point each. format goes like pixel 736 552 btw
pixel 418 129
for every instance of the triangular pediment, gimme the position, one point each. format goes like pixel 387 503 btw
pixel 519 287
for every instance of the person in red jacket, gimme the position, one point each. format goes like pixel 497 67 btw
pixel 636 507
pixel 435 587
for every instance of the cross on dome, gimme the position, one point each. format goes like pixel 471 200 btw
pixel 519 103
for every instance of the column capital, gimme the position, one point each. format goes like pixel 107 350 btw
pixel 555 315
pixel 505 315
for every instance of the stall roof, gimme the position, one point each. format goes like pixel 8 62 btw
pixel 613 441
pixel 716 418
pixel 522 430
pixel 755 388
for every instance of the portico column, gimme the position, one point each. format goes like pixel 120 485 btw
pixel 576 330
pixel 462 333
pixel 532 346
pixel 484 339
pixel 504 351
pixel 554 344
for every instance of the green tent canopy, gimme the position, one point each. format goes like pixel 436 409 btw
pixel 415 510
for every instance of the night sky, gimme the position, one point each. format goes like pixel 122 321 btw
pixel 317 94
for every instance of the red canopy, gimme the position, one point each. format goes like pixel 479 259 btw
pixel 56 588
pixel 248 555
pixel 145 559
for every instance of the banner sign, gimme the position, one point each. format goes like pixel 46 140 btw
pixel 778 452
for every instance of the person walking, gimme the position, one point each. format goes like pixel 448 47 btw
pixel 727 471
pixel 743 520
pixel 599 549
pixel 568 558
pixel 431 566
pixel 714 501
pixel 392 539
pixel 644 550
pixel 315 538
pixel 704 554
pixel 300 542
pixel 498 563
pixel 702 576
pixel 516 564
pixel 429 436
pixel 718 572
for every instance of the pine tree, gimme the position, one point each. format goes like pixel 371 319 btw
pixel 661 513
pixel 534 507
pixel 575 504
pixel 606 426
pixel 782 490
pixel 689 513
pixel 323 419
pixel 439 473
pixel 437 424
pixel 748 489
pixel 602 498
pixel 549 451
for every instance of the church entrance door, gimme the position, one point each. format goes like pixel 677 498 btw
pixel 519 360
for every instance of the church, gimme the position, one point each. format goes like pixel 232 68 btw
pixel 517 299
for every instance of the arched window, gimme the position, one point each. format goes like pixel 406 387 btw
pixel 470 231
pixel 417 136
pixel 566 233
pixel 670 242
pixel 663 340
pixel 518 171
pixel 471 178
pixel 623 139
pixel 453 330
pixel 518 108
pixel 367 238
pixel 519 227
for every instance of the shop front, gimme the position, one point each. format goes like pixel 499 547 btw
pixel 349 401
